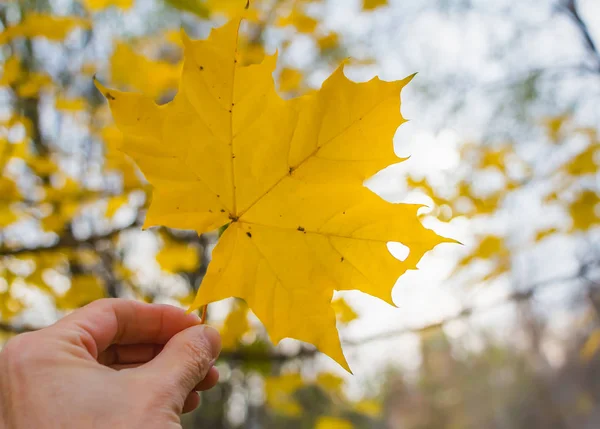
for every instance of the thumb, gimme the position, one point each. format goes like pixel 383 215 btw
pixel 185 360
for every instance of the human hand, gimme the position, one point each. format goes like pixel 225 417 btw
pixel 112 364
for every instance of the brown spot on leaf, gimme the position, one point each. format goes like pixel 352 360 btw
pixel 249 235
pixel 109 96
pixel 222 210
pixel 301 229
pixel 201 68
pixel 342 259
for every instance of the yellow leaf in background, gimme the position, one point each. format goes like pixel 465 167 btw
pixel 286 175
pixel 489 247
pixel 545 233
pixel 84 289
pixel 35 83
pixel 303 23
pixel 555 126
pixel 96 5
pixel 290 79
pixel 175 257
pixel 235 326
pixel 279 393
pixel 114 204
pixel 585 162
pixel 54 28
pixel 9 306
pixel 583 211
pixel 71 104
pixel 330 383
pixel 591 346
pixel 251 52
pixel 55 222
pixel 369 407
pixel 373 4
pixel 333 423
pixel 42 166
pixel 8 190
pixel 7 215
pixel 330 41
pixel 343 312
pixel 495 157
pixel 10 71
pixel 153 78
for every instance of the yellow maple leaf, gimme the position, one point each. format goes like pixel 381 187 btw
pixel 54 28
pixel 373 4
pixel 96 5
pixel 333 423
pixel 286 175
pixel 153 78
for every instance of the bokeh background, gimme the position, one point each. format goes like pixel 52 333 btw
pixel 502 332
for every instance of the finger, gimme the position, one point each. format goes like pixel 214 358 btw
pixel 191 403
pixel 184 362
pixel 119 321
pixel 130 353
pixel 210 381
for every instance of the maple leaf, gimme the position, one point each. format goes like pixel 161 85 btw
pixel 286 175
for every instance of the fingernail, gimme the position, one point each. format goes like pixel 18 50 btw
pixel 213 338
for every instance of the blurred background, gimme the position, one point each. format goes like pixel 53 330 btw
pixel 502 332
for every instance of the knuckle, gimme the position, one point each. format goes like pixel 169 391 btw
pixel 198 356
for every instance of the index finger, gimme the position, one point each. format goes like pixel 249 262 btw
pixel 119 321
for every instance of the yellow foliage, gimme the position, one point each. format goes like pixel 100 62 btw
pixel 114 204
pixel 374 4
pixel 34 83
pixel 555 127
pixel 368 407
pixel 303 23
pixel 153 78
pixel 583 211
pixel 491 246
pixel 96 5
pixel 343 312
pixel 545 233
pixel 9 305
pixel 71 104
pixel 279 392
pixel 591 346
pixel 235 326
pixel 330 41
pixel 585 162
pixel 330 383
pixel 8 190
pixel 286 175
pixel 333 423
pixel 11 71
pixel 175 257
pixel 84 289
pixel 290 79
pixel 7 215
pixel 54 28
